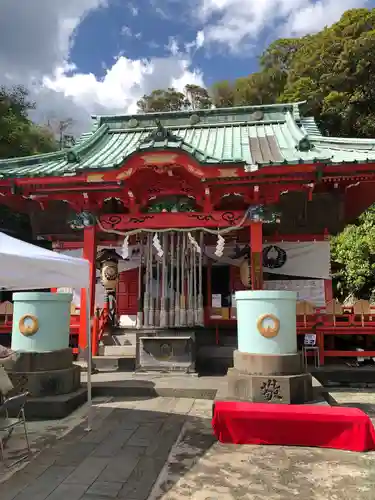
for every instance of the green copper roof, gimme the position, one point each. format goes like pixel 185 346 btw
pixel 255 136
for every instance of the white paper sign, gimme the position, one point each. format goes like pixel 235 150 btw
pixel 216 300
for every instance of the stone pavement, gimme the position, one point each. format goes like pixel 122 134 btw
pixel 121 457
pixel 163 449
pixel 41 434
pixel 199 468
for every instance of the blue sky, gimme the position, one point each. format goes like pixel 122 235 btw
pixel 144 29
pixel 146 32
pixel 84 57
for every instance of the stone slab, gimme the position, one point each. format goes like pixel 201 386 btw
pixel 43 361
pixel 259 364
pixel 55 407
pixel 47 383
pixel 280 389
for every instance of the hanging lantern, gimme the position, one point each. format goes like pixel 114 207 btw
pixel 109 274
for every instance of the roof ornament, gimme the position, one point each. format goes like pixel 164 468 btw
pixel 304 145
pixel 160 134
pixel 256 116
pixel 72 157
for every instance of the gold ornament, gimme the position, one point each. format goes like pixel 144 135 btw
pixel 28 325
pixel 268 332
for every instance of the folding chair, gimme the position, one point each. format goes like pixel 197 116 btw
pixel 309 345
pixel 16 406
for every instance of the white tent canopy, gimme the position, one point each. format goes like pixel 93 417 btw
pixel 25 267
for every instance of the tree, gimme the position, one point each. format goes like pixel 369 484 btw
pixel 354 251
pixel 163 100
pixel 193 97
pixel 331 69
pixel 223 94
pixel 197 97
pixel 59 129
pixel 19 136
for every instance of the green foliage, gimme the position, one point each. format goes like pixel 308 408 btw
pixel 354 251
pixel 332 70
pixel 193 97
pixel 19 136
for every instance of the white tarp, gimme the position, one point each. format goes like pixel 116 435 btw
pixel 303 259
pixel 309 259
pixel 310 290
pixel 26 267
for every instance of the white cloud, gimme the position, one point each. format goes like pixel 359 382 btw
pixel 126 31
pixel 35 50
pixel 133 9
pixel 235 23
pixel 116 93
pixel 173 46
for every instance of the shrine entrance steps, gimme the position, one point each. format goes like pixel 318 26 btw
pixel 117 351
pixel 214 353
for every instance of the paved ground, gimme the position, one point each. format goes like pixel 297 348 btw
pixel 121 457
pixel 163 449
pixel 41 435
pixel 201 469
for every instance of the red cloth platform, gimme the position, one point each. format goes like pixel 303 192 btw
pixel 293 425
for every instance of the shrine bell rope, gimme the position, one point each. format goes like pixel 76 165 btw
pixel 174 295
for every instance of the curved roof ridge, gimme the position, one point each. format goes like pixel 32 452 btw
pixel 308 123
pixel 212 111
pixel 79 147
pixel 349 141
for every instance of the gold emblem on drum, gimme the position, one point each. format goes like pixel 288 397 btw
pixel 268 325
pixel 28 325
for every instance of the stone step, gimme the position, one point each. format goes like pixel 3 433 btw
pixel 120 338
pixel 114 363
pixel 125 338
pixel 118 350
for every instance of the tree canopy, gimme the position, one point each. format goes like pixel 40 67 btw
pixel 193 97
pixel 19 136
pixel 331 70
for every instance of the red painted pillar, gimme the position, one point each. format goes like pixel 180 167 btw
pixel 256 260
pixel 328 291
pixel 89 253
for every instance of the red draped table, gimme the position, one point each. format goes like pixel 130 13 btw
pixel 294 425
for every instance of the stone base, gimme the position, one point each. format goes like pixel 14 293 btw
pixel 54 407
pixel 166 350
pixel 281 389
pixel 45 373
pixel 43 361
pixel 47 383
pixel 267 364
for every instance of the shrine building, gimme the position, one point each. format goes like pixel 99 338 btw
pixel 176 211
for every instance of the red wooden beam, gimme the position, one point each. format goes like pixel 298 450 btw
pixel 216 219
pixel 277 238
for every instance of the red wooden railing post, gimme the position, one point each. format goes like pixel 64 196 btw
pixel 256 260
pixel 89 253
